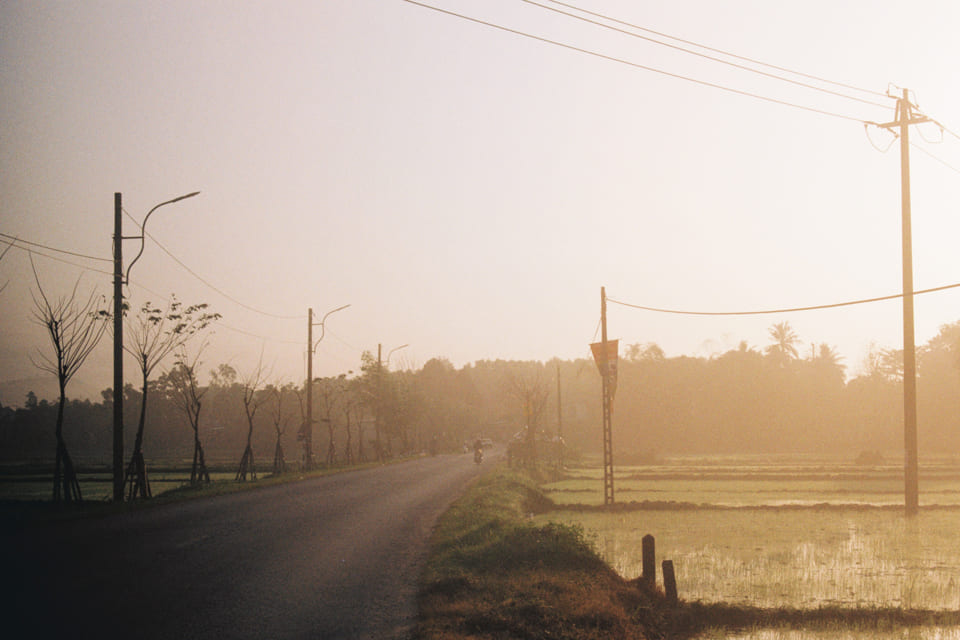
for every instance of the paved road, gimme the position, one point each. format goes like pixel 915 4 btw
pixel 333 557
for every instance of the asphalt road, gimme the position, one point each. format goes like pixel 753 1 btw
pixel 332 557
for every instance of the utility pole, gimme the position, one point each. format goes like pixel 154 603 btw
pixel 376 417
pixel 118 281
pixel 117 348
pixel 911 491
pixel 608 497
pixel 560 443
pixel 307 428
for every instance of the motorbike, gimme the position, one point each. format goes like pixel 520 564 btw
pixel 478 456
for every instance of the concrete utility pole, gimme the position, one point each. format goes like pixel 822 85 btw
pixel 911 474
pixel 117 348
pixel 307 431
pixel 608 497
pixel 560 444
pixel 118 281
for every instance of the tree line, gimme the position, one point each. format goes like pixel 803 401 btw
pixel 780 398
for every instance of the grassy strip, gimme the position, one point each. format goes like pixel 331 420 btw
pixel 491 574
pixel 20 514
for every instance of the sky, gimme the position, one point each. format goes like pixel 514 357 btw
pixel 468 174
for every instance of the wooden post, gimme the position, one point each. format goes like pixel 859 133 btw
pixel 649 561
pixel 669 582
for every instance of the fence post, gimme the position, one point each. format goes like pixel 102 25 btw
pixel 669 582
pixel 649 561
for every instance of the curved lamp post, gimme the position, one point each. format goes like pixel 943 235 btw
pixel 380 388
pixel 311 347
pixel 118 281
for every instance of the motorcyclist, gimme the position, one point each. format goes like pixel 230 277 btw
pixel 478 450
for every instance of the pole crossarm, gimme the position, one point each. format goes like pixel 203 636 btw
pixel 896 124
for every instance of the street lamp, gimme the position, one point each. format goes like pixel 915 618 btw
pixel 307 429
pixel 118 282
pixel 390 353
pixel 380 390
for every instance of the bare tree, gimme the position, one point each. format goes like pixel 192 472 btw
pixel 74 328
pixel 183 380
pixel 154 335
pixel 353 408
pixel 530 391
pixel 281 419
pixel 330 391
pixel 252 401
pixel 3 255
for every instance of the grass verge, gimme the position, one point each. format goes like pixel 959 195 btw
pixel 492 574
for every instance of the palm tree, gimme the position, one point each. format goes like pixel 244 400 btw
pixel 826 359
pixel 783 347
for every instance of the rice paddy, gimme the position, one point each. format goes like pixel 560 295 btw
pixel 782 533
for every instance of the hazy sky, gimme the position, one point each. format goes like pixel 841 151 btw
pixel 468 190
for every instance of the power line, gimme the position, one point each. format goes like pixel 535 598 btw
pixel 701 55
pixel 772 311
pixel 635 64
pixel 943 162
pixel 198 277
pixel 15 239
pixel 723 52
pixel 82 267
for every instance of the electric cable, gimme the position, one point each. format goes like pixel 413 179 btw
pixel 925 152
pixel 16 239
pixel 635 64
pixel 82 267
pixel 722 52
pixel 772 311
pixel 198 277
pixel 695 53
pixel 219 323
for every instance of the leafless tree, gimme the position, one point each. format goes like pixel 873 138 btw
pixel 281 419
pixel 74 327
pixel 252 401
pixel 189 395
pixel 353 408
pixel 2 256
pixel 154 334
pixel 530 391
pixel 330 392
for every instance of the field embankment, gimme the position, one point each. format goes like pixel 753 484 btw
pixel 494 574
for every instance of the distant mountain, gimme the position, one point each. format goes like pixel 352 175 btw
pixel 13 393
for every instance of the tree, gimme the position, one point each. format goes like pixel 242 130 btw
pixel 183 381
pixel 826 360
pixel 650 352
pixel 330 392
pixel 530 392
pixel 2 256
pixel 251 404
pixel 74 329
pixel 783 347
pixel 153 335
pixel 281 419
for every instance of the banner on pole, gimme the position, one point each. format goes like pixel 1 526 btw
pixel 607 361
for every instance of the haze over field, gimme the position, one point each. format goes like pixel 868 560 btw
pixel 468 183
